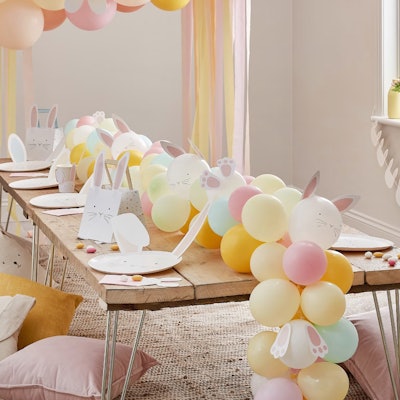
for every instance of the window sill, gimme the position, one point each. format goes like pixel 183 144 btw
pixel 386 121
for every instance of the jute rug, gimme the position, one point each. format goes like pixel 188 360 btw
pixel 201 349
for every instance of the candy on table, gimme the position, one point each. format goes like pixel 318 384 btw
pixel 114 247
pixel 137 278
pixel 90 249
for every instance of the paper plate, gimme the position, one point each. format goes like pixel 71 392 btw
pixel 59 200
pixel 26 166
pixel 354 242
pixel 144 262
pixel 34 183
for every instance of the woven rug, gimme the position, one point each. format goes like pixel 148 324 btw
pixel 201 349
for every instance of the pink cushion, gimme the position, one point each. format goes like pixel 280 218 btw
pixel 66 368
pixel 368 364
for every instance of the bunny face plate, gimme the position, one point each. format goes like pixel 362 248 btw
pixel 143 262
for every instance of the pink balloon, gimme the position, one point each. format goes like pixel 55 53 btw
pixel 248 179
pixel 238 199
pixel 87 18
pixel 155 148
pixel 304 262
pixel 86 120
pixel 147 205
pixel 279 388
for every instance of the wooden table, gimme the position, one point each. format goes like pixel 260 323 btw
pixel 204 276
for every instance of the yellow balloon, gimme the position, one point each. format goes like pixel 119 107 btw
pixel 135 157
pixel 79 152
pixel 289 197
pixel 339 270
pixel 170 212
pixel 237 246
pixel 207 237
pixel 50 4
pixel 266 261
pixel 108 125
pixel 158 186
pixel 274 302
pixel 83 167
pixel 264 217
pixel 69 138
pixel 259 356
pixel 268 183
pixel 193 213
pixel 323 381
pixel 149 172
pixel 323 303
pixel 170 5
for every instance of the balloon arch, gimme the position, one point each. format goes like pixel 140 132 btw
pixel 23 21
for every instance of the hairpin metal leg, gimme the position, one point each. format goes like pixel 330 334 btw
pixel 9 213
pixel 35 252
pixel 63 273
pixel 133 354
pixel 382 331
pixel 50 267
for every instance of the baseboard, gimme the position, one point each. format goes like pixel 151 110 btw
pixel 372 226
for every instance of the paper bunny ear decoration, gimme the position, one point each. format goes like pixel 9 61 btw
pixel 41 141
pixel 102 204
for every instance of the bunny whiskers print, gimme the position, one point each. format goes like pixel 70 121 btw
pixel 102 204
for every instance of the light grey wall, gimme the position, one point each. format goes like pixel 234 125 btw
pixel 313 88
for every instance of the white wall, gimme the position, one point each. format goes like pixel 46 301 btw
pixel 313 88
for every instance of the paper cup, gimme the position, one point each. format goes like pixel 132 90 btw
pixel 65 176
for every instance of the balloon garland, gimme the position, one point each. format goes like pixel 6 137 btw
pixel 22 22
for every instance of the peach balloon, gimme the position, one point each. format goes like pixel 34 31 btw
pixel 53 19
pixel 133 3
pixel 21 24
pixel 127 9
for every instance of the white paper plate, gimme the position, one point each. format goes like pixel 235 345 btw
pixel 144 262
pixel 59 200
pixel 353 242
pixel 26 166
pixel 34 183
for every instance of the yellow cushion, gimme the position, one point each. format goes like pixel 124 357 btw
pixel 50 316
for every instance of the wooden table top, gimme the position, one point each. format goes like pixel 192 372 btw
pixel 204 276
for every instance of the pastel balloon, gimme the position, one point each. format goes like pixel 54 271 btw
pixel 50 4
pixel 304 262
pixel 147 160
pixel 279 388
pixel 81 133
pixel 323 380
pixel 300 351
pixel 341 338
pixel 236 248
pixel 264 217
pixel 323 303
pixel 170 5
pixel 149 172
pixel 256 381
pixel 71 124
pixel 86 120
pixel 79 152
pixel 197 195
pixel 228 184
pixel 147 205
pixel 21 24
pixel 316 219
pixel 170 212
pixel 339 270
pixel 158 187
pixel 84 168
pixel 219 217
pixel 274 302
pixel 135 157
pixel 266 261
pixel 268 183
pixel 53 19
pixel 155 148
pixel 92 141
pixel 289 197
pixel 238 199
pixel 162 159
pixel 193 213
pixel 90 15
pixel 206 237
pixel 259 356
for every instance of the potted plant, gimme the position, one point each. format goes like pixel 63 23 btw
pixel 394 99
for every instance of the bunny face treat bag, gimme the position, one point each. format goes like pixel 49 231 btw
pixel 102 204
pixel 40 141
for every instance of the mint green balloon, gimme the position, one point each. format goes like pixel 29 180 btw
pixel 341 338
